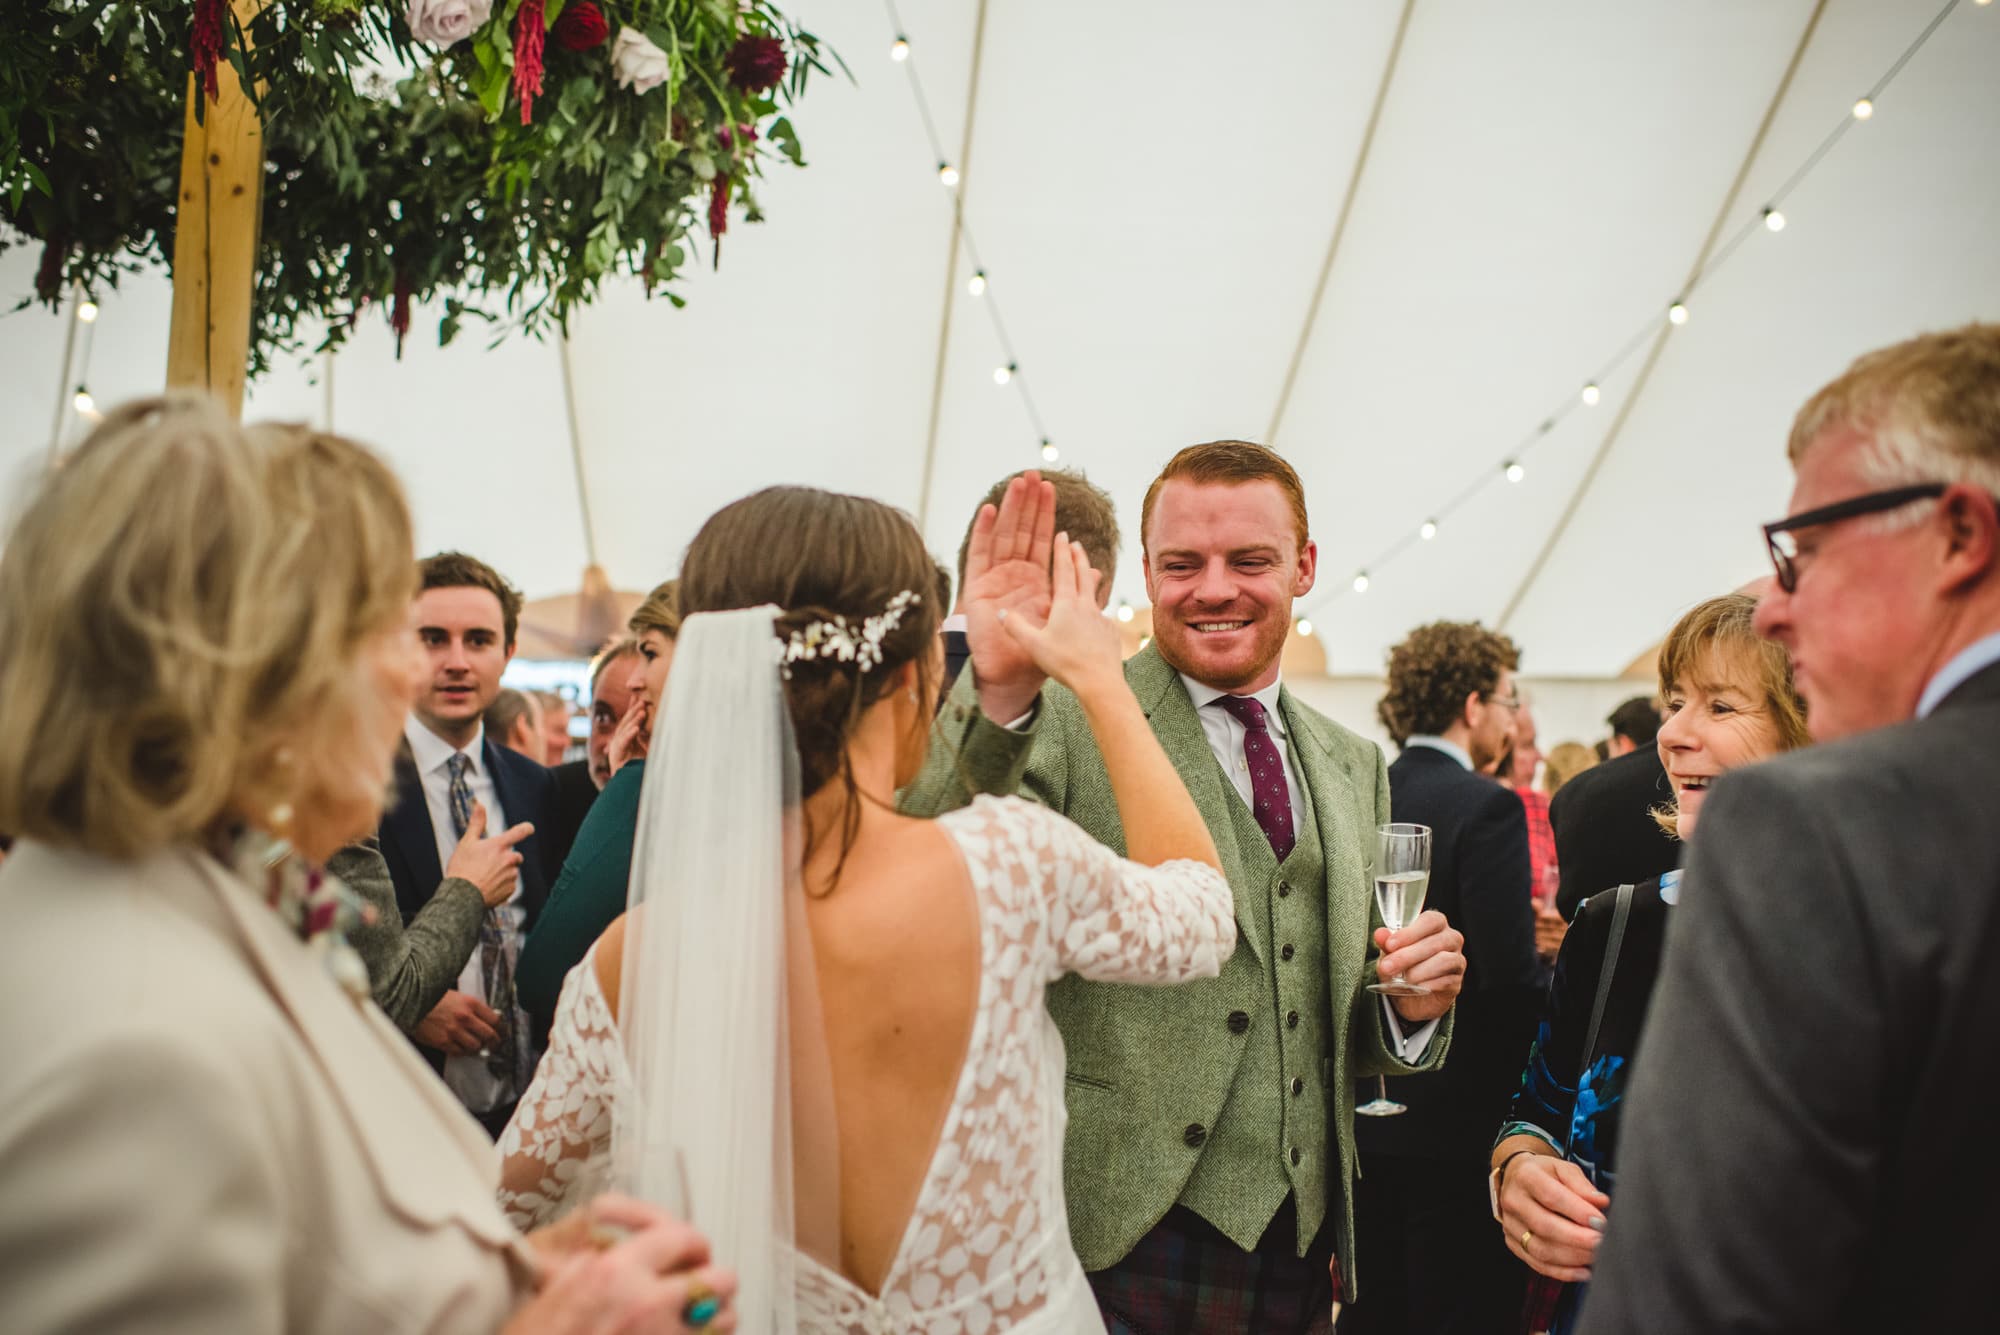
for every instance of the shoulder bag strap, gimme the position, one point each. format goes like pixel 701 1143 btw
pixel 1620 911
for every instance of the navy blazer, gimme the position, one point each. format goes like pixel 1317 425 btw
pixel 527 791
pixel 1480 882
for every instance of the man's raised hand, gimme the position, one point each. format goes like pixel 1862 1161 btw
pixel 1007 570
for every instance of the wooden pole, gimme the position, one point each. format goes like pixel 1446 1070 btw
pixel 215 236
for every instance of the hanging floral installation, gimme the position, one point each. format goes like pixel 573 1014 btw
pixel 497 158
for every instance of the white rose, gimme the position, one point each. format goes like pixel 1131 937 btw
pixel 445 22
pixel 636 63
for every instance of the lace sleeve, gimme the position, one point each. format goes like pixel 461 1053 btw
pixel 1113 920
pixel 556 1153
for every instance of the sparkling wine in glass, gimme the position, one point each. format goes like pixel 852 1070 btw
pixel 1402 875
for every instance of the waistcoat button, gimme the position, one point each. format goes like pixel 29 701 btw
pixel 1287 953
pixel 1195 1135
pixel 1284 888
pixel 1291 1019
pixel 1239 1022
pixel 1295 1156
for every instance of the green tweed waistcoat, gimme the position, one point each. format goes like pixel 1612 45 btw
pixel 1152 1068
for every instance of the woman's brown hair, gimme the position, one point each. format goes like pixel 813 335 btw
pixel 822 556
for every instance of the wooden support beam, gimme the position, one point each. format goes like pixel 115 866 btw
pixel 215 237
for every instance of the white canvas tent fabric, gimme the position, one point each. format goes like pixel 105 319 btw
pixel 1154 187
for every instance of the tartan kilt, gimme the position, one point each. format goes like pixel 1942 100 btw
pixel 1186 1278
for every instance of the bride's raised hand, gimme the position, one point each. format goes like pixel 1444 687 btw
pixel 1076 643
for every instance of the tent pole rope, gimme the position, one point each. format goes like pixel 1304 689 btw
pixel 951 259
pixel 63 386
pixel 575 451
pixel 1639 385
pixel 1340 224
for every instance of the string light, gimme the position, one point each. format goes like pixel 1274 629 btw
pixel 1305 628
pixel 1050 453
pixel 1591 394
pixel 1125 612
pixel 947 174
pixel 87 312
pixel 899 50
pixel 976 285
pixel 85 405
pixel 1002 374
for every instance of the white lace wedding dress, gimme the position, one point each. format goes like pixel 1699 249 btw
pixel 987 1247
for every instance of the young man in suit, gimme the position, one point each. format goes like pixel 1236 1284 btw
pixel 1210 1151
pixel 1603 818
pixel 1808 1146
pixel 1083 510
pixel 477 1035
pixel 1421 1212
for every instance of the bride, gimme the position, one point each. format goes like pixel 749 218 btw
pixel 829 1047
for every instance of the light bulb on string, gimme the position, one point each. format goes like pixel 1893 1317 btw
pixel 1677 313
pixel 976 285
pixel 1774 220
pixel 87 311
pixel 1050 453
pixel 1429 530
pixel 1864 108
pixel 1305 628
pixel 899 50
pixel 1125 612
pixel 1514 471
pixel 86 406
pixel 947 175
pixel 1591 394
pixel 1002 374
pixel 1361 581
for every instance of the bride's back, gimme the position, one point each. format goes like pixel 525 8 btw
pixel 896 947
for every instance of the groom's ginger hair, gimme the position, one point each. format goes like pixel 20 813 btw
pixel 1232 463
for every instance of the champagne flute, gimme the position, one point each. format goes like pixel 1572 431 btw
pixel 1402 875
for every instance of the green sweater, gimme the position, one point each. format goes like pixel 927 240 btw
pixel 587 896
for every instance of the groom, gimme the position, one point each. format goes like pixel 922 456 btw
pixel 1210 1148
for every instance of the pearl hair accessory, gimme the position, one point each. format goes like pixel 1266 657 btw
pixel 840 639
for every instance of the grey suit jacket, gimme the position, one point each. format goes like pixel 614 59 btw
pixel 1809 1138
pixel 1146 1063
pixel 410 968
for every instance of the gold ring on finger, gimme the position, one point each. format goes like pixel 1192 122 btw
pixel 1526 1238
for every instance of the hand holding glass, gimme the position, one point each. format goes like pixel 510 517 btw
pixel 1402 875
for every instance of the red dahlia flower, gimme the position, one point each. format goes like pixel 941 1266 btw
pixel 582 27
pixel 756 63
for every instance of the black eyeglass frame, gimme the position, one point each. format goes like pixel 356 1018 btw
pixel 1874 502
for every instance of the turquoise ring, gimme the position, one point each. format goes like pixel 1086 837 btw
pixel 702 1305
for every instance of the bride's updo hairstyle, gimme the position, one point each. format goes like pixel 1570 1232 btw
pixel 823 558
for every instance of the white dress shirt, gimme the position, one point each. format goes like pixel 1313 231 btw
pixel 1967 664
pixel 468 1077
pixel 1225 738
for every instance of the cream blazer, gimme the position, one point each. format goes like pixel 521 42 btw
pixel 200 1131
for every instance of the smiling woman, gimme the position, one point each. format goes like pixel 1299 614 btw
pixel 1730 701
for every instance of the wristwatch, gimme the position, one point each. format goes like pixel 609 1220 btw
pixel 1493 1181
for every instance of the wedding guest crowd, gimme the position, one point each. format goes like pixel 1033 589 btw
pixel 298 895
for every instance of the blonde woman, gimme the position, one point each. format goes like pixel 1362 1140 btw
pixel 1730 701
pixel 205 1125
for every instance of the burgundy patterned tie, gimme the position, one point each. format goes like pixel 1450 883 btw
pixel 1272 794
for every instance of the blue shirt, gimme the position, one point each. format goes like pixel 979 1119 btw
pixel 1971 660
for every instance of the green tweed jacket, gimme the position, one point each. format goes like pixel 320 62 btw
pixel 410 968
pixel 1145 1064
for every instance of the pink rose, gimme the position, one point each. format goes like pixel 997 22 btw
pixel 445 22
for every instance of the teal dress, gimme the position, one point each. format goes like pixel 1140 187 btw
pixel 587 896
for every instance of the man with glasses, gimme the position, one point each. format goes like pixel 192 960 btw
pixel 1809 1142
pixel 1453 706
